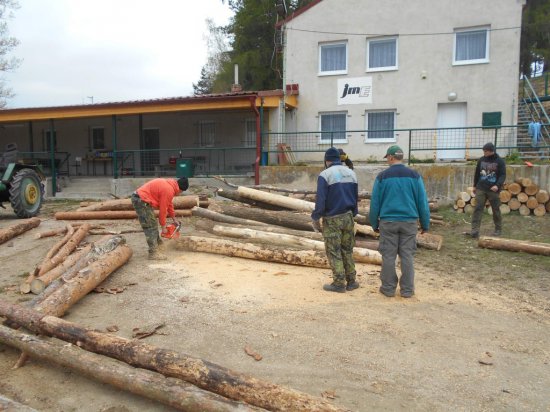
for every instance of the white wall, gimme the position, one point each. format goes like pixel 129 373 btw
pixel 425 75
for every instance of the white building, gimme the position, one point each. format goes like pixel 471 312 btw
pixel 367 69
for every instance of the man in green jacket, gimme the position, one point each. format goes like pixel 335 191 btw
pixel 398 202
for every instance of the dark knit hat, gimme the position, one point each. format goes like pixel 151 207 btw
pixel 183 183
pixel 489 147
pixel 332 155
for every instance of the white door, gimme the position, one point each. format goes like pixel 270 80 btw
pixel 451 143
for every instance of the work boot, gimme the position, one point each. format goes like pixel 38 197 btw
pixel 352 284
pixel 497 233
pixel 334 288
pixel 157 255
pixel 473 235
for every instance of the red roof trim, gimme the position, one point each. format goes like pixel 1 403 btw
pixel 297 13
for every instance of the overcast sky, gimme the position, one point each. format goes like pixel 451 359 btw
pixel 113 50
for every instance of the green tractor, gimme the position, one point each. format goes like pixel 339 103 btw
pixel 21 184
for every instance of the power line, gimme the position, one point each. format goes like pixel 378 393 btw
pixel 394 34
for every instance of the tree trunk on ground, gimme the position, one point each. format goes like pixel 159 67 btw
pixel 236 196
pixel 179 202
pixel 65 250
pixel 84 282
pixel 542 196
pixel 174 392
pixel 359 254
pixel 110 215
pixel 275 199
pixel 367 244
pixel 199 372
pixel 15 230
pixel 40 283
pixel 429 241
pixel 219 217
pixel 514 245
pixel 250 251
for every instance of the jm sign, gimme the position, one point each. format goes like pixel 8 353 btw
pixel 355 91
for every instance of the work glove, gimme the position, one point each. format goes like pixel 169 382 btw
pixel 316 225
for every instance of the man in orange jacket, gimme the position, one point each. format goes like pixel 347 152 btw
pixel 157 194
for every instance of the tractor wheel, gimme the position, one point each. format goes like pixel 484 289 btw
pixel 26 193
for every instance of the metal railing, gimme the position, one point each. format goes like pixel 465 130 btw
pixel 536 109
pixel 44 159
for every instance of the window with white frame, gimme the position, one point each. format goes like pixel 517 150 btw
pixel 250 133
pixel 333 58
pixel 333 127
pixel 380 125
pixel 207 133
pixel 471 46
pixel 382 54
pixel 98 138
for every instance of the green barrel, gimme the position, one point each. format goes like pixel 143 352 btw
pixel 184 167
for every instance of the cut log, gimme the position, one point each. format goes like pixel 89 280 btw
pixel 522 197
pixel 524 210
pixel 367 244
pixel 524 181
pixel 514 204
pixel 17 229
pixel 219 217
pixel 236 196
pixel 542 196
pixel 275 199
pixel 110 215
pixel 473 201
pixel 66 250
pixel 540 210
pixel 429 241
pixel 288 219
pixel 504 209
pixel 460 203
pixel 505 196
pixel 179 202
pixel 39 284
pixel 199 372
pixel 532 202
pixel 464 196
pixel 531 190
pixel 359 254
pixel 536 248
pixel 87 280
pixel 514 188
pixel 468 209
pixel 310 258
pixel 152 385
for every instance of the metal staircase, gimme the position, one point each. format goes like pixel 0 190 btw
pixel 531 109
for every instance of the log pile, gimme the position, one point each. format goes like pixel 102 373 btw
pixel 522 196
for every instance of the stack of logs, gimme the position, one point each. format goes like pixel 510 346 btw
pixel 522 196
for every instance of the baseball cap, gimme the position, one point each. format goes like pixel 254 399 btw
pixel 332 154
pixel 393 150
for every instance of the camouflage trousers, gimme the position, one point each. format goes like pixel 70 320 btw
pixel 148 222
pixel 339 242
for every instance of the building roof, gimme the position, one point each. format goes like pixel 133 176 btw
pixel 221 101
pixel 297 13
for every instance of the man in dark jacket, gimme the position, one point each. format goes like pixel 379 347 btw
pixel 488 180
pixel 336 203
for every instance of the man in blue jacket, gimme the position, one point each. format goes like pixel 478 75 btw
pixel 336 203
pixel 398 201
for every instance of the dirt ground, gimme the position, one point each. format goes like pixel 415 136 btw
pixel 475 337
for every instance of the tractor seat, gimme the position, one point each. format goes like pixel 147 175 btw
pixel 9 155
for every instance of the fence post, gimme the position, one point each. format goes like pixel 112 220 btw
pixel 331 139
pixel 410 142
pixel 115 163
pixel 52 158
pixel 496 136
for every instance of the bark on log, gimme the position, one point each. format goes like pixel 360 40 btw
pixel 310 258
pixel 514 188
pixel 219 217
pixel 65 251
pixel 8 405
pixel 536 248
pixel 429 241
pixel 274 199
pixel 110 215
pixel 236 196
pixel 288 219
pixel 367 244
pixel 199 372
pixel 87 280
pixel 359 254
pixel 542 196
pixel 152 385
pixel 179 202
pixel 40 283
pixel 17 229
